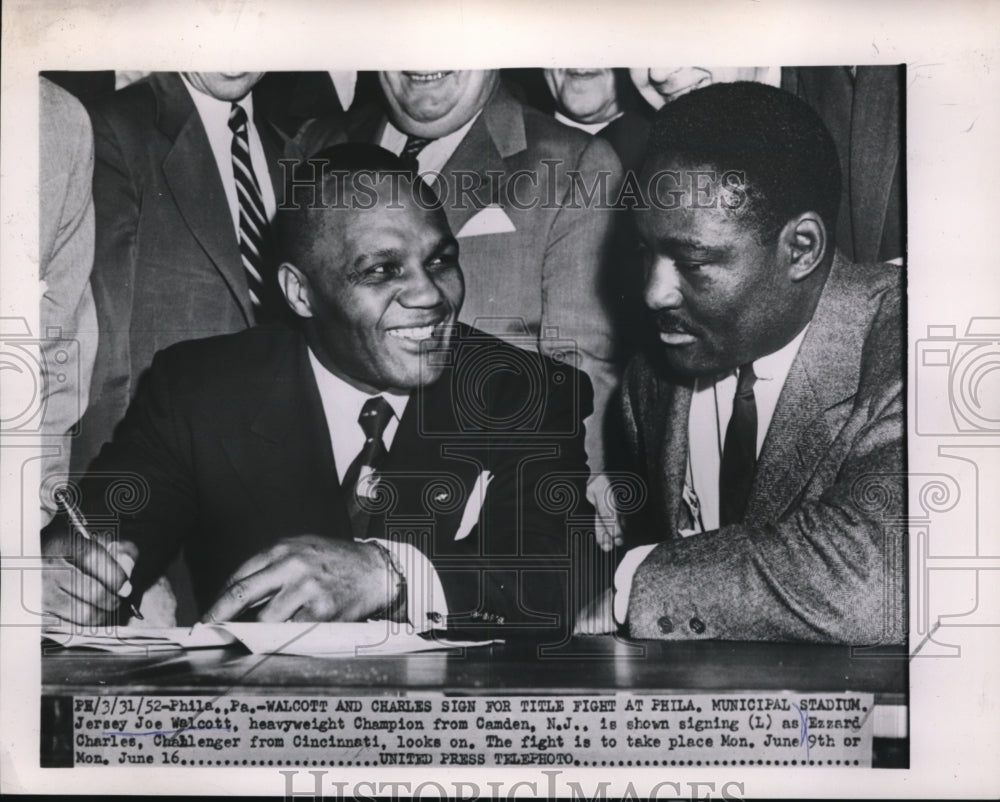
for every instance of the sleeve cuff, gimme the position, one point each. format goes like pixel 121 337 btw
pixel 426 606
pixel 624 575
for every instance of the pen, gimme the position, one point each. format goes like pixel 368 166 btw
pixel 77 519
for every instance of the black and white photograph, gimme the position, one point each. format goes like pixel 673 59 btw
pixel 491 427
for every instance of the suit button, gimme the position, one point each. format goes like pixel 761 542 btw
pixel 697 625
pixel 666 625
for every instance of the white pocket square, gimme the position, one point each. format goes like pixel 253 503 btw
pixel 491 220
pixel 473 505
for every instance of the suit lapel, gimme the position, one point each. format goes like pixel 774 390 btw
pixel 286 451
pixel 496 135
pixel 825 372
pixel 193 177
pixel 427 477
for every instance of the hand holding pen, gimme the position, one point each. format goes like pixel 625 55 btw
pixel 94 579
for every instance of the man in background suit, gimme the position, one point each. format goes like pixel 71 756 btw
pixel 174 234
pixel 863 108
pixel 768 419
pixel 65 259
pixel 367 464
pixel 596 101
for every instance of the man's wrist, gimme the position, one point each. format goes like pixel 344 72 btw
pixel 393 605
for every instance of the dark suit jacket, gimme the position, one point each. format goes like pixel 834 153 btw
pixel 816 557
pixel 628 135
pixel 289 99
pixel 167 261
pixel 864 113
pixel 228 448
pixel 538 286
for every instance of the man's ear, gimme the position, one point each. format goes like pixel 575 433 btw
pixel 803 242
pixel 295 287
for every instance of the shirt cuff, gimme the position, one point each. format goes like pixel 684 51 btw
pixel 426 606
pixel 624 575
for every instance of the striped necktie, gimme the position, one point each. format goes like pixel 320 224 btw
pixel 253 218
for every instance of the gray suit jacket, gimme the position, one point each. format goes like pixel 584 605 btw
pixel 66 256
pixel 817 557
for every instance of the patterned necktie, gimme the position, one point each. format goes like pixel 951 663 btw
pixel 412 148
pixel 253 218
pixel 739 453
pixel 357 484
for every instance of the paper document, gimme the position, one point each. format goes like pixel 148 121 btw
pixel 334 639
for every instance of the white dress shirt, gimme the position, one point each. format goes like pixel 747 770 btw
pixel 342 405
pixel 345 82
pixel 435 155
pixel 708 419
pixel 214 114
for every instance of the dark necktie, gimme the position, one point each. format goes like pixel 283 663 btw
pixel 253 218
pixel 375 416
pixel 739 453
pixel 412 148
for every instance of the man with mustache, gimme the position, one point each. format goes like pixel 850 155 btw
pixel 767 421
pixel 380 460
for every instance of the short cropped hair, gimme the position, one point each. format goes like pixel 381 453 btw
pixel 309 188
pixel 781 147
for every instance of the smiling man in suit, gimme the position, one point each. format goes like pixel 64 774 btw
pixel 186 177
pixel 533 247
pixel 378 460
pixel 767 420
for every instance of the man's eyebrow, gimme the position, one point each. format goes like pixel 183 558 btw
pixel 376 256
pixel 444 244
pixel 685 243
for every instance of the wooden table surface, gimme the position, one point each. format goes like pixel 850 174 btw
pixel 603 664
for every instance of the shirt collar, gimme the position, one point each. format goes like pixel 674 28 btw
pixel 590 128
pixel 214 112
pixel 775 367
pixel 445 144
pixel 337 393
pixel 345 83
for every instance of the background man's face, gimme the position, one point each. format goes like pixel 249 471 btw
pixel 719 297
pixel 224 85
pixel 434 104
pixel 660 85
pixel 386 280
pixel 587 96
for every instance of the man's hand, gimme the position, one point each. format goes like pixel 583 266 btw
pixel 83 581
pixel 309 578
pixel 607 527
